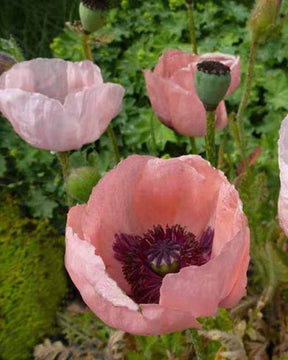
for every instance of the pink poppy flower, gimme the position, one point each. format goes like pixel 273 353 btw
pixel 173 96
pixel 283 165
pixel 159 243
pixel 58 105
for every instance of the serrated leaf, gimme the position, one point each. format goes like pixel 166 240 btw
pixel 3 166
pixel 280 262
pixel 41 205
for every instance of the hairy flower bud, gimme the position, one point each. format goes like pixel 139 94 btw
pixel 6 62
pixel 81 182
pixel 212 80
pixel 263 18
pixel 93 14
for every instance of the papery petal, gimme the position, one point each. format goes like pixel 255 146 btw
pixel 176 107
pixel 95 107
pixel 161 198
pixel 173 60
pixel 40 121
pixel 54 78
pixel 229 60
pixel 105 298
pixel 221 118
pixel 283 165
pixel 207 285
pixel 45 76
pixel 81 75
pixel 179 108
pixel 158 96
pixel 109 211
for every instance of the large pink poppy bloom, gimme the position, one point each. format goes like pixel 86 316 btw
pixel 283 165
pixel 58 105
pixel 159 243
pixel 173 96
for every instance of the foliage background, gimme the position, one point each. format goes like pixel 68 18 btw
pixel 138 31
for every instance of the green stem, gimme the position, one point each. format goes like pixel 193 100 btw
pixel 192 27
pixel 111 133
pixel 64 161
pixel 245 98
pixel 193 145
pixel 210 138
pixel 197 344
pixel 113 140
pixel 153 137
pixel 86 47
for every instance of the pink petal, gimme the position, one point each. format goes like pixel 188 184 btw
pixel 54 78
pixel 81 75
pixel 229 60
pixel 173 60
pixel 45 76
pixel 221 118
pixel 160 198
pixel 283 165
pixel 39 120
pixel 109 211
pixel 207 285
pixel 177 106
pixel 105 298
pixel 95 107
pixel 158 93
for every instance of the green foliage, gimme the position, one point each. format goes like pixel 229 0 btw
pixel 32 281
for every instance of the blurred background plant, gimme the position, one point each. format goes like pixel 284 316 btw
pixel 135 35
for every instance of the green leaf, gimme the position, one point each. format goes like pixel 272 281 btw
pixel 3 166
pixel 40 204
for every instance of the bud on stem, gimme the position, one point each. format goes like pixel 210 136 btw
pixel 264 18
pixel 212 80
pixel 93 14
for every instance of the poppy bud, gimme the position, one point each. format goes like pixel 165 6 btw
pixel 81 182
pixel 6 62
pixel 212 80
pixel 93 14
pixel 263 18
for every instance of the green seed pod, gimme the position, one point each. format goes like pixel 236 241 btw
pixel 81 182
pixel 93 14
pixel 6 62
pixel 264 18
pixel 212 80
pixel 165 269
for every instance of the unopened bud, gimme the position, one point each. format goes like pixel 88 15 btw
pixel 6 62
pixel 264 18
pixel 93 14
pixel 212 80
pixel 81 182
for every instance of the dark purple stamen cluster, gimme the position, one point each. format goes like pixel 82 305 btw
pixel 148 258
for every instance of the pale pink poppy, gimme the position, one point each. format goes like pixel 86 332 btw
pixel 173 96
pixel 58 105
pixel 283 165
pixel 159 244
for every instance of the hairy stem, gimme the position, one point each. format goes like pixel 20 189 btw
pixel 153 137
pixel 113 140
pixel 245 98
pixel 210 137
pixel 64 161
pixel 111 133
pixel 86 47
pixel 197 344
pixel 193 145
pixel 192 27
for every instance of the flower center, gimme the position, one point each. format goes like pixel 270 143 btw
pixel 163 257
pixel 213 67
pixel 148 258
pixel 96 4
